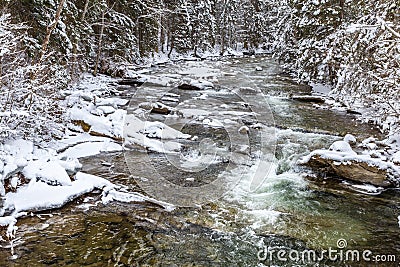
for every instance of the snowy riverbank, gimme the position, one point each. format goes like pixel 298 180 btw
pixel 36 177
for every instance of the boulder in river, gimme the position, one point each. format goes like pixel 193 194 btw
pixel 308 98
pixel 186 86
pixel 359 171
pixel 249 53
pixel 131 82
pixel 196 85
pixel 341 161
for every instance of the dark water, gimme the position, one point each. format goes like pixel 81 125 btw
pixel 287 211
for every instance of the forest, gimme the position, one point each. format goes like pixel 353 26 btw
pixel 199 132
pixel 350 45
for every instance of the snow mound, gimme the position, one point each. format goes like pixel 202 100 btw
pixel 349 138
pixel 38 195
pixel 50 172
pixel 342 146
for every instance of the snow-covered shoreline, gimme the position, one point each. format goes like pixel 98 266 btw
pixel 37 177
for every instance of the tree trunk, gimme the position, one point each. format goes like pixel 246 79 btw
pixel 85 10
pixel 50 29
pixel 96 66
pixel 76 41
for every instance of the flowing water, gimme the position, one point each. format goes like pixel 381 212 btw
pixel 287 210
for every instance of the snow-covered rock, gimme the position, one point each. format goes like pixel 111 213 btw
pixel 396 157
pixel 38 195
pixel 190 84
pixel 50 172
pixel 244 130
pixel 70 164
pixel 340 160
pixel 111 125
pixel 349 138
pixel 342 146
pixel 19 147
pixel 152 135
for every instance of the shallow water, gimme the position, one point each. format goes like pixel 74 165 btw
pixel 287 210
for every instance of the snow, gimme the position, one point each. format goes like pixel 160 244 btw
pixel 145 133
pixel 214 123
pixel 38 195
pixel 111 125
pixel 342 146
pixel 107 109
pixel 113 102
pixel 349 138
pixel 201 71
pixel 47 171
pixel 5 221
pixel 159 80
pixel 396 157
pixel 19 147
pixel 113 195
pixel 91 149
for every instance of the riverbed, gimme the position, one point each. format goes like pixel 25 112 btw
pixel 229 222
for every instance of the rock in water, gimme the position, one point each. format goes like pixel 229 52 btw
pixel 244 130
pixel 351 170
pixel 308 98
pixel 186 86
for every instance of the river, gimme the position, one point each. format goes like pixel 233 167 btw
pixel 290 209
